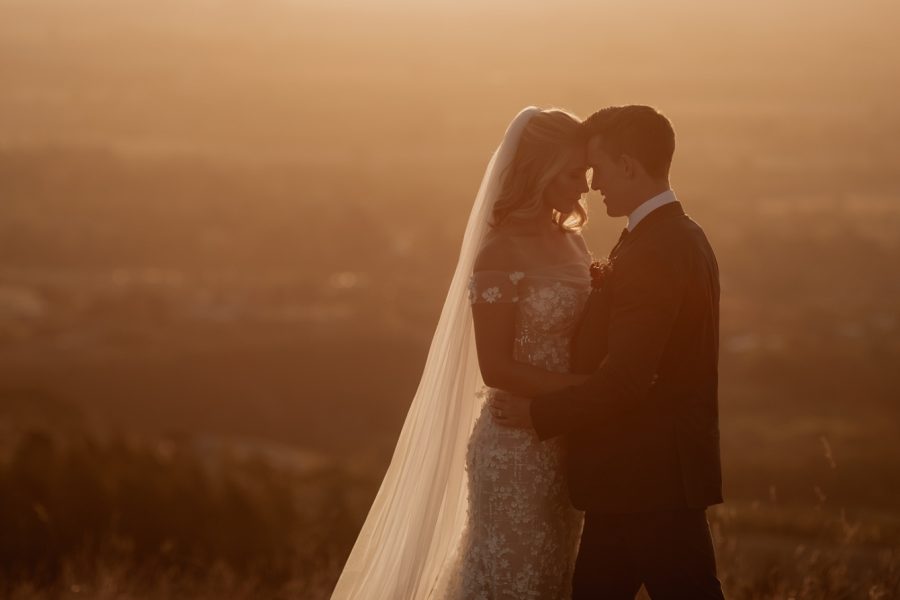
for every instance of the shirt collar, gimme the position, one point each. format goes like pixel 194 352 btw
pixel 648 207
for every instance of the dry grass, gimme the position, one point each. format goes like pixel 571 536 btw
pixel 116 519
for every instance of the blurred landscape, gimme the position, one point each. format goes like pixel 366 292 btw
pixel 226 231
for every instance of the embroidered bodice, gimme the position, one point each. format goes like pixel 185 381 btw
pixel 549 301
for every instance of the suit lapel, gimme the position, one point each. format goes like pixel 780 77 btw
pixel 672 210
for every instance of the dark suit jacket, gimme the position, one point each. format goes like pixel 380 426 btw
pixel 642 433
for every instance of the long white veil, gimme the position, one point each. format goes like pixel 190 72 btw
pixel 419 512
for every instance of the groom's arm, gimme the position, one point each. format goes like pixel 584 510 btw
pixel 647 296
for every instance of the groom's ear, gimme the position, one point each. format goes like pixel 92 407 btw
pixel 629 166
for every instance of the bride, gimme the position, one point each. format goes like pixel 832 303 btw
pixel 468 508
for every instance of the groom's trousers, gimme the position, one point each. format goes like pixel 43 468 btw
pixel 669 552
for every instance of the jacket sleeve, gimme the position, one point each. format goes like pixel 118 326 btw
pixel 647 295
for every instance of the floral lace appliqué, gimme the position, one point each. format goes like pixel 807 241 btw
pixel 492 294
pixel 494 286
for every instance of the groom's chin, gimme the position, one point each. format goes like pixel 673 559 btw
pixel 612 210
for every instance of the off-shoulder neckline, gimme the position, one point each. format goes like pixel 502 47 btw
pixel 541 268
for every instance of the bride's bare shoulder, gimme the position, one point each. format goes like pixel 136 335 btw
pixel 499 252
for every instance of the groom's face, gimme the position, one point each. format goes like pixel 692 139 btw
pixel 609 178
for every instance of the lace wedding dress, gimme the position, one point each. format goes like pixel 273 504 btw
pixel 521 535
pixel 467 510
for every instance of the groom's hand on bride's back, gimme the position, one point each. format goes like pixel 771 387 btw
pixel 509 410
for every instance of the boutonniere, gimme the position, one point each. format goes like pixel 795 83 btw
pixel 601 270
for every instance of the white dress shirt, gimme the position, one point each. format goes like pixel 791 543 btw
pixel 648 207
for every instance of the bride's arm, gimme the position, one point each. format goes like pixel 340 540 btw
pixel 494 339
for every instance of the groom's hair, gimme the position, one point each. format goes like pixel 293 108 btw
pixel 639 131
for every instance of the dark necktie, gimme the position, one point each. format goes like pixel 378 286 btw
pixel 619 243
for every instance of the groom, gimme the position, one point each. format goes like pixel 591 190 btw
pixel 642 432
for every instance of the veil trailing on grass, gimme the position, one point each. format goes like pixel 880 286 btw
pixel 419 513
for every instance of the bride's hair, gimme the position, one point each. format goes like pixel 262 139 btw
pixel 547 143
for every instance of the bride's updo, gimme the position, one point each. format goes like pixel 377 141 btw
pixel 548 141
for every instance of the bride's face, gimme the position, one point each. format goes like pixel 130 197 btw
pixel 569 185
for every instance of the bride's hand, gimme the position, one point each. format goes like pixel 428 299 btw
pixel 509 410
